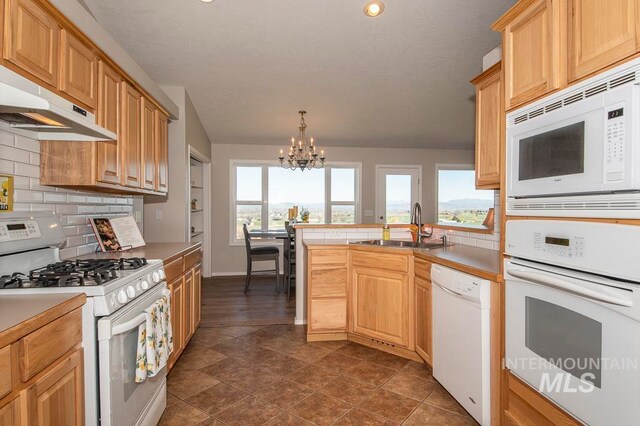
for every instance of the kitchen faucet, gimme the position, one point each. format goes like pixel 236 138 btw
pixel 416 219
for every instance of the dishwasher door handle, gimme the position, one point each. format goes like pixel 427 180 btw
pixel 451 292
pixel 563 285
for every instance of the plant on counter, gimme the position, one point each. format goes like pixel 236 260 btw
pixel 304 215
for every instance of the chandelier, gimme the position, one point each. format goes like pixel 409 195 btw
pixel 302 156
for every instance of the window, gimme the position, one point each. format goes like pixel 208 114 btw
pixel 263 193
pixel 459 202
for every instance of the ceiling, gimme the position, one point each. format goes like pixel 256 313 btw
pixel 399 80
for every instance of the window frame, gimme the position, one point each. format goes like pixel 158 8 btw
pixel 264 202
pixel 462 227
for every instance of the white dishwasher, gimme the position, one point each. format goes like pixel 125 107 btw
pixel 461 338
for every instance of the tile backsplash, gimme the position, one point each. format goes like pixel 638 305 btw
pixel 488 241
pixel 20 157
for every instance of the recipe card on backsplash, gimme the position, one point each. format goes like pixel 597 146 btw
pixel 117 234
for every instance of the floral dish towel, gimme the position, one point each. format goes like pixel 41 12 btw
pixel 155 339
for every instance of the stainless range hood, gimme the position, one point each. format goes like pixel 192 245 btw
pixel 33 111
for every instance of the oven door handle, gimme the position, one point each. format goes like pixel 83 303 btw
pixel 569 287
pixel 129 325
pixel 137 320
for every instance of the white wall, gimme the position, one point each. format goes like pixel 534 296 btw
pixel 231 259
pixel 20 157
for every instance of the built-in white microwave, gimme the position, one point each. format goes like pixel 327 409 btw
pixel 577 152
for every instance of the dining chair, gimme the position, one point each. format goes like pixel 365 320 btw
pixel 257 254
pixel 289 261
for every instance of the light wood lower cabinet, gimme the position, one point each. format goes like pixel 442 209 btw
pixel 381 303
pixel 526 407
pixel 42 374
pixel 185 283
pixel 188 305
pixel 57 397
pixel 327 277
pixel 177 319
pixel 197 296
pixel 423 319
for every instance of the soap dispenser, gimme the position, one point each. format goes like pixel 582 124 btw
pixel 386 232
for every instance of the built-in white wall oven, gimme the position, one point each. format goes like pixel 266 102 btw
pixel 573 316
pixel 577 152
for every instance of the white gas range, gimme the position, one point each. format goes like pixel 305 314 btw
pixel 118 292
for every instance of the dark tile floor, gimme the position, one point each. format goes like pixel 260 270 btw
pixel 248 375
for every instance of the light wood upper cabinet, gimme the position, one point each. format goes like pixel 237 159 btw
pixel 130 136
pixel 489 113
pixel 381 303
pixel 532 48
pixel 31 40
pixel 601 32
pixel 108 153
pixel 149 145
pixel 162 152
pixel 57 397
pixel 78 69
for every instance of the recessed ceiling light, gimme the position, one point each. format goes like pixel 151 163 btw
pixel 373 8
pixel 206 1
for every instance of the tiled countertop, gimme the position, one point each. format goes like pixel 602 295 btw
pixel 477 261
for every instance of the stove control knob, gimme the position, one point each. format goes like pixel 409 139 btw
pixel 131 292
pixel 161 274
pixel 144 285
pixel 122 297
pixel 113 300
pixel 155 277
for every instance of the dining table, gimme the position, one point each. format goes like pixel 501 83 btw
pixel 270 234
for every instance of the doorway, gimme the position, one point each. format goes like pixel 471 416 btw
pixel 397 189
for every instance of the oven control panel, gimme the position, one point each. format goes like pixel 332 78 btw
pixel 16 231
pixel 600 248
pixel 556 245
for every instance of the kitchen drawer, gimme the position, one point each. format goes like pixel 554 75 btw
pixel 329 282
pixel 422 268
pixel 42 347
pixel 5 371
pixel 328 315
pixel 329 257
pixel 174 269
pixel 192 258
pixel 528 407
pixel 390 262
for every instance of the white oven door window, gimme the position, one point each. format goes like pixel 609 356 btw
pixel 122 400
pixel 577 352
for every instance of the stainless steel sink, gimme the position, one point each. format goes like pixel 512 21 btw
pixel 408 244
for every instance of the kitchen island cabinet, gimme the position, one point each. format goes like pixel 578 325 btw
pixel 327 278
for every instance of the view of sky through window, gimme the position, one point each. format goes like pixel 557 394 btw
pixel 459 202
